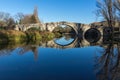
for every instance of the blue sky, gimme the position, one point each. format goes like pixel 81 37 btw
pixel 81 11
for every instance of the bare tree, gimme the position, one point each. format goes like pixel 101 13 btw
pixel 107 10
pixel 117 6
pixel 26 19
pixel 4 19
pixel 29 19
pixel 1 16
pixel 7 17
pixel 19 17
pixel 4 16
pixel 11 23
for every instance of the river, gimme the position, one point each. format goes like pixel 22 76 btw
pixel 65 58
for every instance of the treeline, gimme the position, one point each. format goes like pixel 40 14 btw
pixel 8 22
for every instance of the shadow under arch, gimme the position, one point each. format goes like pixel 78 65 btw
pixel 92 35
pixel 74 40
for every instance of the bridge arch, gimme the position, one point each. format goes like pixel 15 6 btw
pixel 92 35
pixel 70 25
pixel 98 30
pixel 51 26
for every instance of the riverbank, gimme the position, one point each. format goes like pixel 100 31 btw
pixel 29 36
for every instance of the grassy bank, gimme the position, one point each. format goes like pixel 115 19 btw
pixel 29 36
pixel 10 35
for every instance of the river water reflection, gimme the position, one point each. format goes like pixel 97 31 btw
pixel 65 58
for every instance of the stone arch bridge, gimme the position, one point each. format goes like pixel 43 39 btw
pixel 79 28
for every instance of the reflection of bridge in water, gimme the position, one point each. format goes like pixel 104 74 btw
pixel 76 43
pixel 107 62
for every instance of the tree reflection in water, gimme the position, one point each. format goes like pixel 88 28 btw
pixel 21 49
pixel 107 65
pixel 34 49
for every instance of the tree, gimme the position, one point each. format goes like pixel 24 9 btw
pixel 107 10
pixel 4 19
pixel 2 23
pixel 4 16
pixel 1 16
pixel 58 29
pixel 11 23
pixel 26 19
pixel 19 17
pixel 33 19
pixel 117 6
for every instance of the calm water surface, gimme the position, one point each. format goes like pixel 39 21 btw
pixel 65 58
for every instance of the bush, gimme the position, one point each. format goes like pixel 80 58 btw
pixel 29 36
pixel 47 36
pixel 33 35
